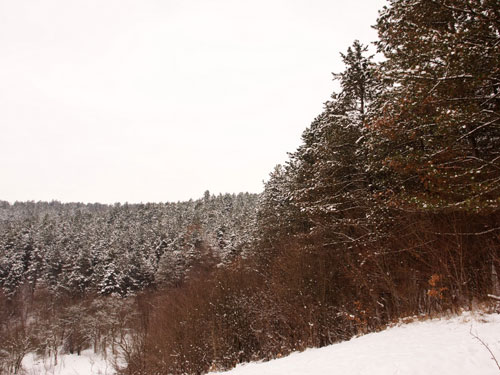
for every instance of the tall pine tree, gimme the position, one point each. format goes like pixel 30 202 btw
pixel 332 186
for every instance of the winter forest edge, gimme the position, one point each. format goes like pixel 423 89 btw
pixel 389 208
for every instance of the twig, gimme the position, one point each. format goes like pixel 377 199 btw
pixel 486 346
pixel 466 234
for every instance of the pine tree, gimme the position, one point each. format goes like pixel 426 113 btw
pixel 277 216
pixel 439 122
pixel 331 185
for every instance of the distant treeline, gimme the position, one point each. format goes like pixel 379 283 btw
pixel 75 249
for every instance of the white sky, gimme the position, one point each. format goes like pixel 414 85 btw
pixel 159 100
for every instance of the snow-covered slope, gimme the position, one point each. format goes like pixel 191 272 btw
pixel 439 346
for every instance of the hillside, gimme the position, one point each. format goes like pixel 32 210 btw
pixel 388 209
pixel 437 346
pixel 75 249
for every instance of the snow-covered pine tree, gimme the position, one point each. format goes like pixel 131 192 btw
pixel 332 185
pixel 439 121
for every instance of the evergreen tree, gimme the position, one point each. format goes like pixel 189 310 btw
pixel 438 128
pixel 277 217
pixel 332 184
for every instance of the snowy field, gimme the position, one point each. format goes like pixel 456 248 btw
pixel 439 346
pixel 87 363
pixel 442 347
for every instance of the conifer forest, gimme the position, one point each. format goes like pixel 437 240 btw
pixel 389 208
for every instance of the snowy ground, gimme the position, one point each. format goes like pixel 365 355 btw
pixel 443 347
pixel 87 363
pixel 439 346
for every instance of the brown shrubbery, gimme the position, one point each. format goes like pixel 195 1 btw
pixel 306 295
pixel 35 321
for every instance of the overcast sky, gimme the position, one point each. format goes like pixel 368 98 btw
pixel 159 100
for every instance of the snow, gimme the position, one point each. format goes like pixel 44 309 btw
pixel 444 346
pixel 87 363
pixel 439 346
